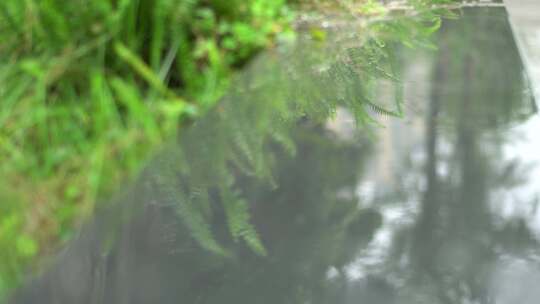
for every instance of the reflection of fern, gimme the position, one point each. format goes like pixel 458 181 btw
pixel 185 202
pixel 382 111
pixel 236 210
pixel 261 108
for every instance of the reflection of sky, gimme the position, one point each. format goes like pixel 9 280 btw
pixel 381 181
pixel 394 218
pixel 516 281
pixel 515 202
pixel 523 145
pixel 527 150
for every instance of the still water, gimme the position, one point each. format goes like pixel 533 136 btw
pixel 398 165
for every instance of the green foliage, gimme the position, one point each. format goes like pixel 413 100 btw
pixel 18 247
pixel 88 89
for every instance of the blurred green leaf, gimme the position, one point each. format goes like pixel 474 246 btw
pixel 26 246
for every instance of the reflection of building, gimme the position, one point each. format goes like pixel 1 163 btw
pixel 397 140
pixel 401 139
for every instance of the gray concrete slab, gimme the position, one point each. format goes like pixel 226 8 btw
pixel 525 20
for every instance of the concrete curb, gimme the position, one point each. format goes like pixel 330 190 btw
pixel 524 18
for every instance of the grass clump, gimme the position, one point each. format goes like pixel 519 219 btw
pixel 89 88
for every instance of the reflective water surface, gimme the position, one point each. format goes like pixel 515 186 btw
pixel 349 170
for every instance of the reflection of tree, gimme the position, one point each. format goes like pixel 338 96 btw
pixel 477 92
pixel 309 223
pixel 308 81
